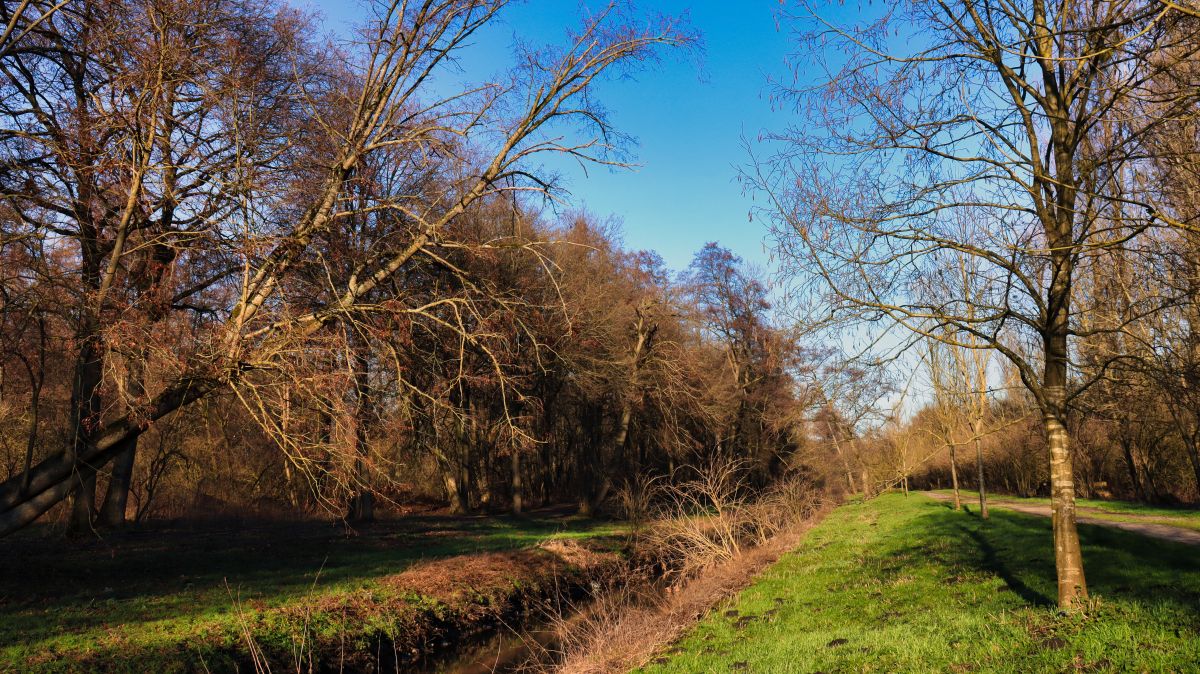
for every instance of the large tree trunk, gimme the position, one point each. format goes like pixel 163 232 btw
pixel 1134 479
pixel 362 503
pixel 85 417
pixel 456 494
pixel 25 498
pixel 1193 450
pixel 1059 223
pixel 116 498
pixel 1068 558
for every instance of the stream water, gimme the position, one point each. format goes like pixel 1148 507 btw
pixel 504 652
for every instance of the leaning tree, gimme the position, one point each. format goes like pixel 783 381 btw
pixel 89 99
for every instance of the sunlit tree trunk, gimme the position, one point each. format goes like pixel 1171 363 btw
pixel 978 431
pixel 954 476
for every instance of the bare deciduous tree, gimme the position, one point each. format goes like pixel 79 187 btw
pixel 995 110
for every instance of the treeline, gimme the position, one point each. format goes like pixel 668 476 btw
pixel 1147 461
pixel 964 420
pixel 243 270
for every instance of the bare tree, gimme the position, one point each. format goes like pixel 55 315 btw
pixel 379 102
pixel 996 111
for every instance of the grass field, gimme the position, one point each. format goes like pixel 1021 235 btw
pixel 907 584
pixel 1114 511
pixel 163 595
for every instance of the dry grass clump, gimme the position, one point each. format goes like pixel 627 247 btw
pixel 707 515
pixel 710 535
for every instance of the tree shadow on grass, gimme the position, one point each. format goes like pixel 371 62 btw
pixel 1017 548
pixel 191 569
pixel 993 563
pixel 1119 565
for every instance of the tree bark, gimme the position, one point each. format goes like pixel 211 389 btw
pixel 1068 558
pixel 1193 447
pixel 455 493
pixel 954 477
pixel 518 503
pixel 983 509
pixel 85 416
pixel 362 503
pixel 116 497
pixel 1134 479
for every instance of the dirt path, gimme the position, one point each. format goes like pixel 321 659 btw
pixel 1164 532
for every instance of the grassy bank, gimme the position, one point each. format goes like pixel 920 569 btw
pixel 1113 511
pixel 181 599
pixel 907 584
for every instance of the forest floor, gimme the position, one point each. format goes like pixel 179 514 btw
pixel 907 584
pixel 1181 525
pixel 193 597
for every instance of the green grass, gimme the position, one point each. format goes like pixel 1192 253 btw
pixel 908 585
pixel 158 591
pixel 1113 511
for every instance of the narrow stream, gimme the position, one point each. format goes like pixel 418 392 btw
pixel 532 635
pixel 513 648
pixel 503 653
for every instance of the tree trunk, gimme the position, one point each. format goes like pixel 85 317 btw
pixel 362 507
pixel 518 503
pixel 362 504
pixel 1068 558
pixel 954 477
pixel 24 498
pixel 85 417
pixel 1193 447
pixel 455 493
pixel 1134 479
pixel 983 509
pixel 116 498
pixel 837 447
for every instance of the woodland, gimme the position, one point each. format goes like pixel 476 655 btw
pixel 249 273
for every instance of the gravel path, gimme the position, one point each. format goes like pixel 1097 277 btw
pixel 1164 532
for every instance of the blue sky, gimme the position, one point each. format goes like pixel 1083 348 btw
pixel 689 118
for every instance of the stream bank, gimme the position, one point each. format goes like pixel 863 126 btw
pixel 629 620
